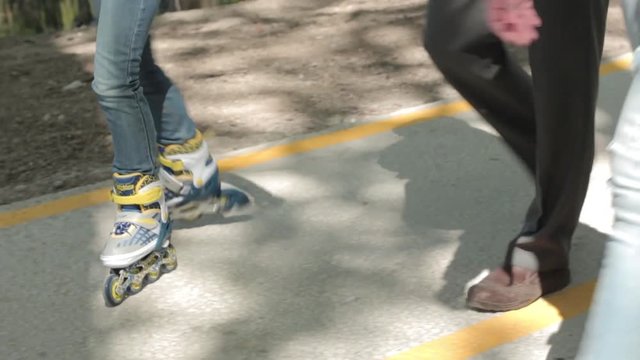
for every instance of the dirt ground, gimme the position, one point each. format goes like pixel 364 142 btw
pixel 253 72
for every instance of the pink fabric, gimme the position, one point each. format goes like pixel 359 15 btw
pixel 514 21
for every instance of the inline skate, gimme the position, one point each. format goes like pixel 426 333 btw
pixel 138 250
pixel 192 182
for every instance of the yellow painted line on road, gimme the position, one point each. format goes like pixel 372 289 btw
pixel 508 327
pixel 505 328
pixel 622 63
pixel 343 136
pixel 95 197
pixel 54 207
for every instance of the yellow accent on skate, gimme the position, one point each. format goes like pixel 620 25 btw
pixel 189 146
pixel 146 197
pixel 114 291
pixel 175 165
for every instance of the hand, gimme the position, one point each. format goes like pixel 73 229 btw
pixel 514 21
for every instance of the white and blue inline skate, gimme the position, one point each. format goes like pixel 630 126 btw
pixel 192 182
pixel 138 250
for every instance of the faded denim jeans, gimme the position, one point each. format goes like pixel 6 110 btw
pixel 142 106
pixel 613 325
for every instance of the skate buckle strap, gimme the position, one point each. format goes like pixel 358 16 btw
pixel 175 165
pixel 171 183
pixel 148 196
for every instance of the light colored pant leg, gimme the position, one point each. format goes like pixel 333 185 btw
pixel 613 325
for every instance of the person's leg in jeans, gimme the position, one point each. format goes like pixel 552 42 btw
pixel 158 153
pixel 613 325
pixel 172 122
pixel 142 225
pixel 123 28
pixel 547 120
pixel 188 172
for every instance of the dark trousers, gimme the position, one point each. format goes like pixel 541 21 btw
pixel 547 119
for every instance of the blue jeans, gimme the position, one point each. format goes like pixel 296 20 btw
pixel 142 106
pixel 613 325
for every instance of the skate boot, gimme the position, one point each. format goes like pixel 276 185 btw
pixel 192 182
pixel 138 250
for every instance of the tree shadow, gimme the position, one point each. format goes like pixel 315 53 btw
pixel 304 74
pixel 52 135
pixel 52 280
pixel 52 139
pixel 462 179
pixel 294 272
pixel 303 276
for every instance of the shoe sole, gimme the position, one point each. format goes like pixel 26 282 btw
pixel 553 281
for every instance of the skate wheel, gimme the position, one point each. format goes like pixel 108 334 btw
pixel 135 287
pixel 153 275
pixel 113 293
pixel 170 261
